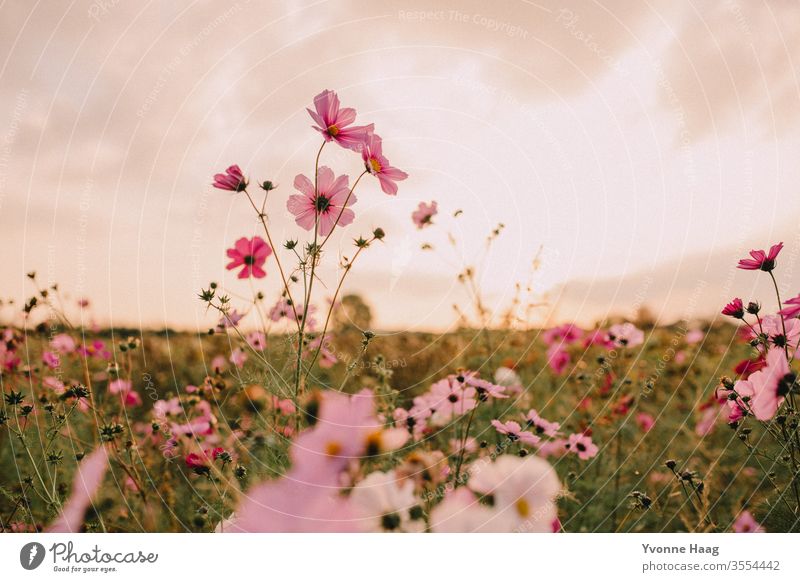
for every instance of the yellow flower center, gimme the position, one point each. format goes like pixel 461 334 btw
pixel 333 449
pixel 374 446
pixel 333 131
pixel 375 165
pixel 523 508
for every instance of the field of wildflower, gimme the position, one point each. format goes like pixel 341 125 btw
pixel 293 415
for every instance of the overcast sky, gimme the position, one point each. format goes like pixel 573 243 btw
pixel 621 137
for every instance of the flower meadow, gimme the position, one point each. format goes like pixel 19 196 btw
pixel 292 415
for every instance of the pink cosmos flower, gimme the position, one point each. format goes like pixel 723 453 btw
pixel 257 340
pixel 424 214
pixel 582 445
pixel 238 357
pixel 761 260
pixel 51 360
pixel 328 203
pixel 171 407
pixel 568 333
pixel 85 485
pixel 708 419
pixel 97 349
pixel 250 254
pixel 334 122
pixel 201 425
pixel 232 180
pixel 63 344
pixel 552 448
pixel 734 309
pixel 645 421
pixel 746 523
pixel 311 321
pixel 377 165
pixel 291 504
pixel 283 405
pixel 558 359
pixel 484 388
pixel 119 386
pixel 771 385
pixel 626 335
pixel 413 420
pixel 541 426
pixel 449 398
pixel 280 310
pixel 54 384
pixel 598 337
pixel 774 325
pixel 218 364
pixel 694 336
pixel 228 320
pixel 791 307
pixel 327 358
pixel 515 433
pixel 346 430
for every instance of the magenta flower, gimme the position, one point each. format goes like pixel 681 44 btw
pixel 738 407
pixel 582 445
pixel 791 307
pixel 568 333
pixel 328 203
pixel 232 180
pixel 333 122
pixel 734 309
pixel 251 254
pixel 424 214
pixel 746 523
pixel 51 359
pixel 377 165
pixel 761 260
pixel 557 359
pixel 645 421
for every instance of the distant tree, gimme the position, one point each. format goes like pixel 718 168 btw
pixel 352 314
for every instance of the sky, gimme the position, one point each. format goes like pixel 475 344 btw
pixel 638 149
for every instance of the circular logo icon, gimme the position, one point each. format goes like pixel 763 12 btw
pixel 31 555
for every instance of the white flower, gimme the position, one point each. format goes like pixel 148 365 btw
pixel 461 512
pixel 387 504
pixel 506 377
pixel 521 491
